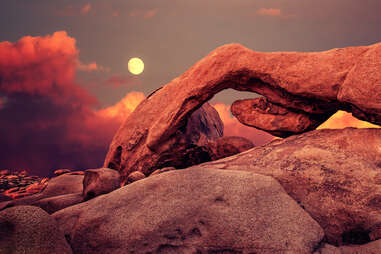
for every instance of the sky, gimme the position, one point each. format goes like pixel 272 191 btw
pixel 64 83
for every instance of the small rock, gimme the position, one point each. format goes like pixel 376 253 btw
pixel 135 176
pixel 61 171
pixel 100 181
pixel 4 172
pixel 23 173
pixel 76 173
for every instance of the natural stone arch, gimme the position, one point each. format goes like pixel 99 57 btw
pixel 301 91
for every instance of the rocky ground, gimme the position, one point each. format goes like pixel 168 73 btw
pixel 19 184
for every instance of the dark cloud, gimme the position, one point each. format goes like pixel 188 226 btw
pixel 46 119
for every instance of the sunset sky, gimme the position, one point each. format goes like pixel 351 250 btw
pixel 64 83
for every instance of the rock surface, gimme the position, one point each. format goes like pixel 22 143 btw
pixel 228 146
pixel 100 181
pixel 228 212
pixel 187 147
pixel 56 203
pixel 369 248
pixel 29 229
pixel 335 175
pixel 301 90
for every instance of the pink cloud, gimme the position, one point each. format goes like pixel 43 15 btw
pixel 67 12
pixel 42 66
pixel 93 66
pixel 274 12
pixel 147 14
pixel 85 9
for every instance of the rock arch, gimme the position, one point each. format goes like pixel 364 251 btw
pixel 301 91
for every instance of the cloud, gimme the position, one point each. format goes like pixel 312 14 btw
pixel 232 127
pixel 115 13
pixel 124 107
pixel 85 9
pixel 75 10
pixel 147 14
pixel 93 66
pixel 41 66
pixel 342 119
pixel 274 12
pixel 47 121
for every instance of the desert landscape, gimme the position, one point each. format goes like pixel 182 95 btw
pixel 190 127
pixel 171 183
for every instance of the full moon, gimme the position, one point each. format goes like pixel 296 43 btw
pixel 135 66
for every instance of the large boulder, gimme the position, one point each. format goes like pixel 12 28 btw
pixel 192 211
pixel 301 91
pixel 188 146
pixel 335 175
pixel 29 229
pixel 60 185
pixel 100 181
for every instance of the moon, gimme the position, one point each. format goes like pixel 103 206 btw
pixel 135 65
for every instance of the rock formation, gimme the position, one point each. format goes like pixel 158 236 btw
pixel 29 229
pixel 333 174
pixel 228 212
pixel 188 146
pixel 301 91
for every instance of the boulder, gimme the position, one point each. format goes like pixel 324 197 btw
pixel 192 211
pixel 56 203
pixel 135 176
pixel 29 229
pixel 228 146
pixel 60 185
pixel 335 175
pixel 301 91
pixel 187 147
pixel 100 181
